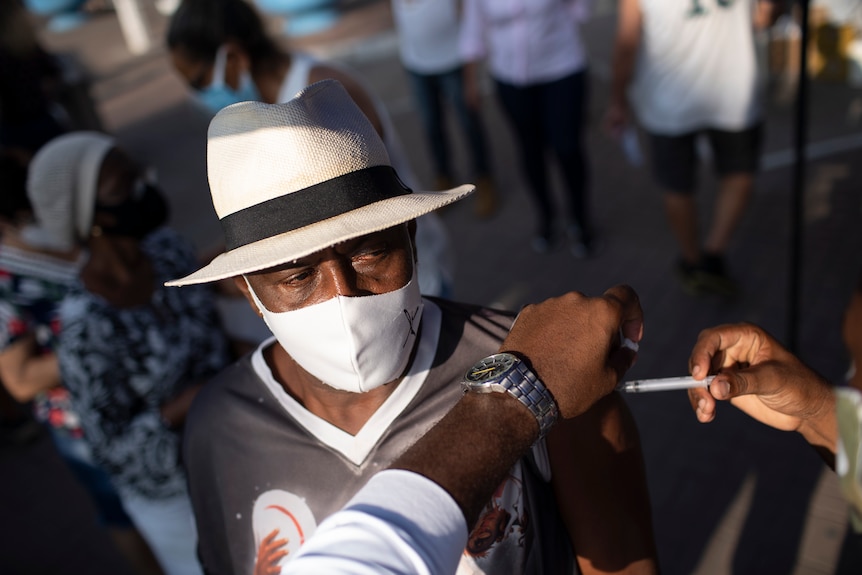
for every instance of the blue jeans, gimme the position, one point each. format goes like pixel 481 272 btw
pixel 95 480
pixel 429 91
pixel 551 115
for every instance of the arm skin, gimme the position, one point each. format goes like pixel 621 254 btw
pixel 628 37
pixel 600 485
pixel 472 51
pixel 25 373
pixel 767 12
pixel 765 381
pixel 852 334
pixel 470 467
pixel 472 88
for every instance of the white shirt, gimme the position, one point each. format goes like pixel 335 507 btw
pixel 399 523
pixel 428 34
pixel 696 68
pixel 526 41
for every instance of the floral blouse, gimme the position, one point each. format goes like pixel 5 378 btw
pixel 32 285
pixel 120 365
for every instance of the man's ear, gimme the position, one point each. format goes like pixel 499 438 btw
pixel 242 286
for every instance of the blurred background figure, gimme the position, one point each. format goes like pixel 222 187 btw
pixel 30 79
pixel 131 353
pixel 539 65
pixel 33 282
pixel 222 51
pixel 691 71
pixel 428 42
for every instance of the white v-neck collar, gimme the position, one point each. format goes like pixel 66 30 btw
pixel 357 447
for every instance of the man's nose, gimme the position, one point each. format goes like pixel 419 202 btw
pixel 341 279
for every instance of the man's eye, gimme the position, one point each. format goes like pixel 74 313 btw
pixel 371 252
pixel 298 277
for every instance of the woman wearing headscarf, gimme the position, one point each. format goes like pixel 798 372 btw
pixel 131 353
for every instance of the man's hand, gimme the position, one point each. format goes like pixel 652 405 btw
pixel 764 380
pixel 617 118
pixel 174 410
pixel 472 89
pixel 25 372
pixel 573 344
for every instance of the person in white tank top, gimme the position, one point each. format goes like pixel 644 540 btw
pixel 688 68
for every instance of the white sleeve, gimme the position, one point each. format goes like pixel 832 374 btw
pixel 399 523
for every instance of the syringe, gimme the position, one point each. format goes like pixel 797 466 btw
pixel 663 384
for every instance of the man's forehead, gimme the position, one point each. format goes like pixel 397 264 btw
pixel 393 232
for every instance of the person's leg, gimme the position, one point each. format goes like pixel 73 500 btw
pixel 108 505
pixel 564 104
pixel 681 213
pixel 673 164
pixel 426 90
pixel 733 196
pixel 521 107
pixel 736 159
pixel 169 528
pixel 452 84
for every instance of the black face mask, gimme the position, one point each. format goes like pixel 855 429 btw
pixel 139 215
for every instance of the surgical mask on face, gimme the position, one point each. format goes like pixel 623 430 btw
pixel 353 344
pixel 218 94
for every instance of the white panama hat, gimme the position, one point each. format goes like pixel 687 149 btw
pixel 291 179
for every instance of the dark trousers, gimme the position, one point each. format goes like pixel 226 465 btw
pixel 552 116
pixel 430 90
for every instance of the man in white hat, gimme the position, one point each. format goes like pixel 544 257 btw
pixel 319 234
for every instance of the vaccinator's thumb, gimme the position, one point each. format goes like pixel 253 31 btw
pixel 752 380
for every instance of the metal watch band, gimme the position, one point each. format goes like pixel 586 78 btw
pixel 522 383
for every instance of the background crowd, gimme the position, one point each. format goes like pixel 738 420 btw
pixel 513 214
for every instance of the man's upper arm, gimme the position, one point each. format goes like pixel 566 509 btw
pixel 600 486
pixel 629 19
pixel 767 12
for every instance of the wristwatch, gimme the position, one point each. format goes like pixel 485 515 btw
pixel 506 373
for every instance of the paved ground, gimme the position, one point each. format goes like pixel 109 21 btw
pixel 729 497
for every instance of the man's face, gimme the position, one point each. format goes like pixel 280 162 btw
pixel 372 264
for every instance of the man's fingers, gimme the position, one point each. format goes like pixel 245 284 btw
pixel 707 347
pixel 702 403
pixel 632 317
pixel 726 346
pixel 620 361
pixel 625 305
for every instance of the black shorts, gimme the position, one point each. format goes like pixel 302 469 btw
pixel 674 158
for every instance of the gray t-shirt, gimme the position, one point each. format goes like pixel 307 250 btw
pixel 258 461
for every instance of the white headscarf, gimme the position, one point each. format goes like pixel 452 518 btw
pixel 61 185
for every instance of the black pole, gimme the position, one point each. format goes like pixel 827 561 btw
pixel 798 207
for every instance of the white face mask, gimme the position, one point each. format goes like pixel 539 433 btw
pixel 353 344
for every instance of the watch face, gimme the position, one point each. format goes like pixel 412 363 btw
pixel 491 367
